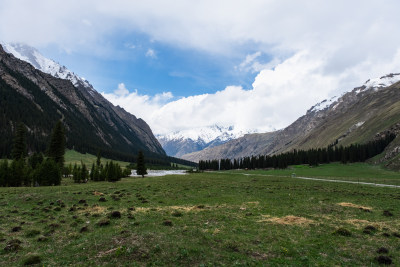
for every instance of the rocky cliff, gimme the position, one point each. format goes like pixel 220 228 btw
pixel 39 99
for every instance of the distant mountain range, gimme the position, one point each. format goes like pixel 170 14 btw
pixel 184 142
pixel 363 114
pixel 38 91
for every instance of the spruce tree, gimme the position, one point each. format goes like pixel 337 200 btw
pixel 92 170
pixel 47 173
pixel 98 160
pixel 84 173
pixel 56 149
pixel 141 168
pixel 4 172
pixel 19 148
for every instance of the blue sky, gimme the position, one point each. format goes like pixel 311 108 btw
pixel 182 64
pixel 153 67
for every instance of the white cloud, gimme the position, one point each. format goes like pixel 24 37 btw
pixel 151 53
pixel 130 45
pixel 121 91
pixel 276 99
pixel 320 48
pixel 250 63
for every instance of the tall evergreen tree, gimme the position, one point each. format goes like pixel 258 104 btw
pixel 56 149
pixel 141 167
pixel 19 148
pixel 98 160
pixel 84 173
pixel 4 172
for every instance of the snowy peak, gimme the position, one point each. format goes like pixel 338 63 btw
pixel 33 56
pixel 207 134
pixel 379 83
pixel 183 142
pixel 323 104
pixel 383 81
pixel 374 84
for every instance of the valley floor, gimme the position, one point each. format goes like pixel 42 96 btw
pixel 207 219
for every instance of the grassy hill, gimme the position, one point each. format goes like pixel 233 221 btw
pixel 207 219
pixel 72 157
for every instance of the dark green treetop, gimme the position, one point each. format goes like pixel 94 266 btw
pixel 141 168
pixel 19 149
pixel 56 149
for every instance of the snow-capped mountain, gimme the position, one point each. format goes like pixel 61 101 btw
pixel 357 116
pixel 375 84
pixel 187 141
pixel 40 62
pixel 123 128
pixel 379 83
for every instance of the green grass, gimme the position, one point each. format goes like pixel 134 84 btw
pixel 204 219
pixel 72 157
pixel 361 172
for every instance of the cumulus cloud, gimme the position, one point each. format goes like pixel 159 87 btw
pixel 274 101
pixel 121 91
pixel 320 48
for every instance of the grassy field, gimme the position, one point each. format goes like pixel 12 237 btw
pixel 72 157
pixel 357 172
pixel 204 219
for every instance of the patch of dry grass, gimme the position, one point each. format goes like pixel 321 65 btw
pixel 351 205
pixel 287 220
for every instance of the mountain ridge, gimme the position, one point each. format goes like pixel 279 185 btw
pixel 346 119
pixel 182 142
pixel 106 126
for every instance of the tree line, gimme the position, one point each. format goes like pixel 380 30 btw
pixel 313 157
pixel 34 170
pixel 38 170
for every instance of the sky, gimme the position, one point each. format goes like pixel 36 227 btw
pixel 182 64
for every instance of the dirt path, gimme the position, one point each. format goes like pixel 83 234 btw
pixel 321 179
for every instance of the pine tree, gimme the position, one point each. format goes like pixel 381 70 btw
pixel 76 173
pixel 47 173
pixel 56 149
pixel 141 168
pixel 17 173
pixel 19 148
pixel 4 172
pixel 98 160
pixel 35 160
pixel 84 173
pixel 92 170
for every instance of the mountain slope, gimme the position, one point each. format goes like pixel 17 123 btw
pixel 39 100
pixel 104 107
pixel 183 142
pixel 357 116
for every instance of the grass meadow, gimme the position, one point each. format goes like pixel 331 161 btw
pixel 74 157
pixel 206 219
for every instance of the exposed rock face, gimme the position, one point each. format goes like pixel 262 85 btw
pixel 355 117
pixel 86 114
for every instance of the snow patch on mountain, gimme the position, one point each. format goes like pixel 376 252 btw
pixel 378 83
pixel 207 134
pixel 40 62
pixel 375 84
pixel 324 104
